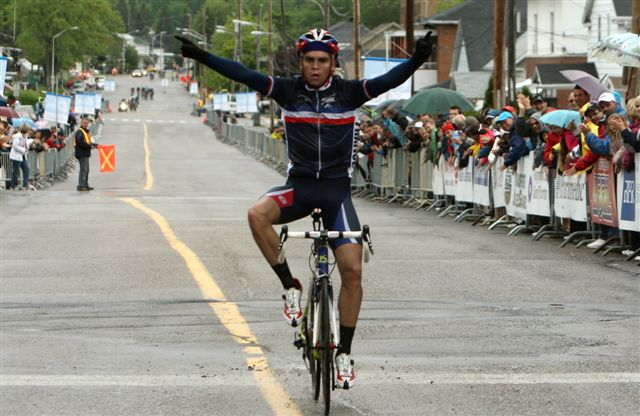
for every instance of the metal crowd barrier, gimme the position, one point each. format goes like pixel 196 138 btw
pixel 44 167
pixel 409 178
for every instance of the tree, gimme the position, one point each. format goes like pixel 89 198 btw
pixel 95 19
pixel 131 58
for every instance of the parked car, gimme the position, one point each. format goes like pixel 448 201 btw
pixel 136 73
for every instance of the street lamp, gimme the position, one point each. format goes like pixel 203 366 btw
pixel 53 55
pixel 237 26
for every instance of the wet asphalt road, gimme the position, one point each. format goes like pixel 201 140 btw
pixel 107 305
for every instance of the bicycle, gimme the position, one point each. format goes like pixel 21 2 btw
pixel 319 334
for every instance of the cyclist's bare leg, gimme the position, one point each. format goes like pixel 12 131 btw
pixel 261 217
pixel 349 260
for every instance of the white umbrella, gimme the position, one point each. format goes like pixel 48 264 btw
pixel 623 49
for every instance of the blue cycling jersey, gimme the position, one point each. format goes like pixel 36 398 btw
pixel 320 124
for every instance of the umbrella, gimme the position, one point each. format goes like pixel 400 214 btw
pixel 435 101
pixel 561 118
pixel 17 122
pixel 623 49
pixel 588 82
pixel 8 112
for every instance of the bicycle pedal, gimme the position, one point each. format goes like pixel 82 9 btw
pixel 298 342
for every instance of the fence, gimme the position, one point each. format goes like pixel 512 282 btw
pixel 44 167
pixel 533 200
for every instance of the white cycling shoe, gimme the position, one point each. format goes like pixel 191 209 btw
pixel 292 311
pixel 345 374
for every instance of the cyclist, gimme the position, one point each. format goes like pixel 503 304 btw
pixel 319 111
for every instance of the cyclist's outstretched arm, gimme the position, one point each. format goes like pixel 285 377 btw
pixel 400 73
pixel 226 67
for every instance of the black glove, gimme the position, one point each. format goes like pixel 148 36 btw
pixel 191 50
pixel 424 47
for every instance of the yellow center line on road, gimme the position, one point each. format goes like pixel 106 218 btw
pixel 229 315
pixel 147 160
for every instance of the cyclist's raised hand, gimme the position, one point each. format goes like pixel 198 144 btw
pixel 424 47
pixel 191 50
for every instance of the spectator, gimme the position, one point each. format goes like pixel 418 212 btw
pixel 608 104
pixel 515 131
pixel 38 144
pixel 539 103
pixel 581 98
pixel 56 141
pixel 18 156
pixel 454 110
pixel 572 105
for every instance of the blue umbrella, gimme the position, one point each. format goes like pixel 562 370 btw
pixel 561 118
pixel 17 122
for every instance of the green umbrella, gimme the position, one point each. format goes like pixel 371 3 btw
pixel 434 101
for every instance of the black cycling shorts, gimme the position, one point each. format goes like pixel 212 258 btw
pixel 300 196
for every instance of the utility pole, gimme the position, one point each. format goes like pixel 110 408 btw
pixel 511 45
pixel 408 27
pixel 270 60
pixel 498 54
pixel 408 30
pixel 258 46
pixel 326 14
pixel 285 39
pixel 356 39
pixel 633 83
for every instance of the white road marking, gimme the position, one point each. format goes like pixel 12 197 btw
pixel 246 379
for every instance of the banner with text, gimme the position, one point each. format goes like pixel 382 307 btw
pixel 602 194
pixel 84 103
pixel 629 198
pixel 570 197
pixel 3 73
pixel 538 202
pixel 482 185
pixel 517 200
pixel 56 107
pixel 246 102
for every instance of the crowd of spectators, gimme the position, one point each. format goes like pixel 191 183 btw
pixel 18 140
pixel 607 128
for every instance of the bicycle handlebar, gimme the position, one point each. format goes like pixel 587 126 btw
pixel 331 235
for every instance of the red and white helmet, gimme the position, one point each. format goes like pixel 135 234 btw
pixel 317 40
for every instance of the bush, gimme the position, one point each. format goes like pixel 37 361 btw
pixel 28 97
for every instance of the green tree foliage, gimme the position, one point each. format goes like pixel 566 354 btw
pixel 40 20
pixel 131 58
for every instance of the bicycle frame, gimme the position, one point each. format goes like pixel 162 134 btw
pixel 324 333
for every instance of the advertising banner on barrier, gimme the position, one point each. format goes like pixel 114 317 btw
pixel 56 107
pixel 464 183
pixel 438 178
pixel 570 196
pixel 3 72
pixel 449 180
pixel 193 88
pixel 246 102
pixel 517 201
pixel 629 198
pixel 221 102
pixel 538 202
pixel 84 103
pixel 481 185
pixel 497 183
pixel 602 194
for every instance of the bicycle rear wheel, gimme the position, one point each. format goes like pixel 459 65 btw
pixel 325 359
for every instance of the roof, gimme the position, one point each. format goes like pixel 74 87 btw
pixel 623 7
pixel 343 31
pixel 477 24
pixel 549 74
pixel 472 85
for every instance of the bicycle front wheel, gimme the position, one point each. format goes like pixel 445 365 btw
pixel 313 354
pixel 326 361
